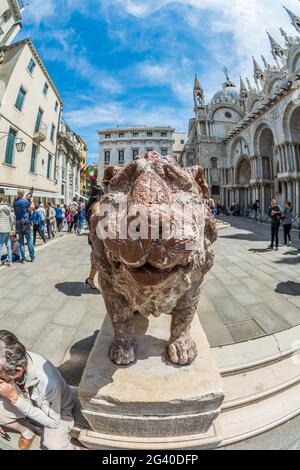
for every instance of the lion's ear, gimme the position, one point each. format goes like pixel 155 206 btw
pixel 109 173
pixel 197 173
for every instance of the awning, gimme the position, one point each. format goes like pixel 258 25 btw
pixel 36 193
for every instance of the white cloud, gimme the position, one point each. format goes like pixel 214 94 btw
pixel 246 21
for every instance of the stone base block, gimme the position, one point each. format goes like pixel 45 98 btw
pixel 151 398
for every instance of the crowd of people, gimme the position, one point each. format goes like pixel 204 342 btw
pixel 278 217
pixel 25 220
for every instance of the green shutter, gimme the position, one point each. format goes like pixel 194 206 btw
pixel 49 168
pixel 33 158
pixel 38 120
pixel 20 99
pixel 52 132
pixel 9 154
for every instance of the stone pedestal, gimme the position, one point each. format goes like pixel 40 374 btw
pixel 150 400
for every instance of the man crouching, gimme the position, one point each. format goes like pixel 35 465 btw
pixel 31 387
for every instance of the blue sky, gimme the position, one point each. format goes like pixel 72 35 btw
pixel 132 62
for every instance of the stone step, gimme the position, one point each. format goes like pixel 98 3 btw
pixel 260 383
pixel 238 424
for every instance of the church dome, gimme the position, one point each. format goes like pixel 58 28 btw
pixel 225 93
pixel 228 91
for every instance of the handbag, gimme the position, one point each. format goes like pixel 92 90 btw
pixel 23 227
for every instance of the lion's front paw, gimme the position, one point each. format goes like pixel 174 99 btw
pixel 182 351
pixel 122 352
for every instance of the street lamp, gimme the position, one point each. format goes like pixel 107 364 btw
pixel 20 145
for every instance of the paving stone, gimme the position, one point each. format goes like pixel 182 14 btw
pixel 54 342
pixel 217 333
pixel 214 288
pixel 229 310
pixel 28 304
pixel 267 319
pixel 35 323
pixel 9 322
pixel 7 305
pixel 71 313
pixel 243 295
pixel 245 331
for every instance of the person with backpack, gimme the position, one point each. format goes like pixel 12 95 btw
pixel 80 216
pixel 275 212
pixel 255 209
pixel 6 226
pixel 59 217
pixel 23 208
pixel 36 220
pixel 50 220
pixel 74 214
pixel 287 217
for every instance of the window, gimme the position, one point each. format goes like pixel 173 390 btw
pixel 107 136
pixel 56 106
pixel 135 134
pixel 38 120
pixel 164 152
pixel 31 66
pixel 49 167
pixel 107 157
pixel 135 153
pixel 20 99
pixel 182 142
pixel 52 133
pixel 149 134
pixel 121 134
pixel 45 89
pixel 33 158
pixel 164 134
pixel 228 115
pixel 121 157
pixel 10 146
pixel 149 149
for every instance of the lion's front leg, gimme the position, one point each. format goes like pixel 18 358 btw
pixel 122 349
pixel 181 348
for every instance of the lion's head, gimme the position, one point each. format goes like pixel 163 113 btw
pixel 154 219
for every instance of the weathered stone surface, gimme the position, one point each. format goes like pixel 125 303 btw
pixel 151 397
pixel 153 272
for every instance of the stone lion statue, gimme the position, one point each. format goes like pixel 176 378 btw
pixel 146 273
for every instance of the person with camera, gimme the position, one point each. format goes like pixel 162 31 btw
pixel 6 226
pixel 23 207
pixel 275 213
pixel 32 388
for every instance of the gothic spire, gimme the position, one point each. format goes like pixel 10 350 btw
pixel 295 19
pixel 258 73
pixel 197 85
pixel 277 50
pixel 243 88
pixel 284 35
pixel 198 94
pixel 266 65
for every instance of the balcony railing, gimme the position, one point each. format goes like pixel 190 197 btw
pixel 41 134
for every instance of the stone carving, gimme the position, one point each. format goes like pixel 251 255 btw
pixel 148 275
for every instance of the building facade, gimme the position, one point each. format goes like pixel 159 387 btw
pixel 180 139
pixel 10 20
pixel 119 146
pixel 248 140
pixel 69 163
pixel 30 109
pixel 83 180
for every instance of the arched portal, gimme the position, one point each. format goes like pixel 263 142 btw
pixel 243 177
pixel 264 147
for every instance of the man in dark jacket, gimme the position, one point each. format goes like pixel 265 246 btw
pixel 275 215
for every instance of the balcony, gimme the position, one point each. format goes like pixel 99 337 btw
pixel 41 134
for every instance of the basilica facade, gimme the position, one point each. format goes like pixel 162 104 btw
pixel 248 139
